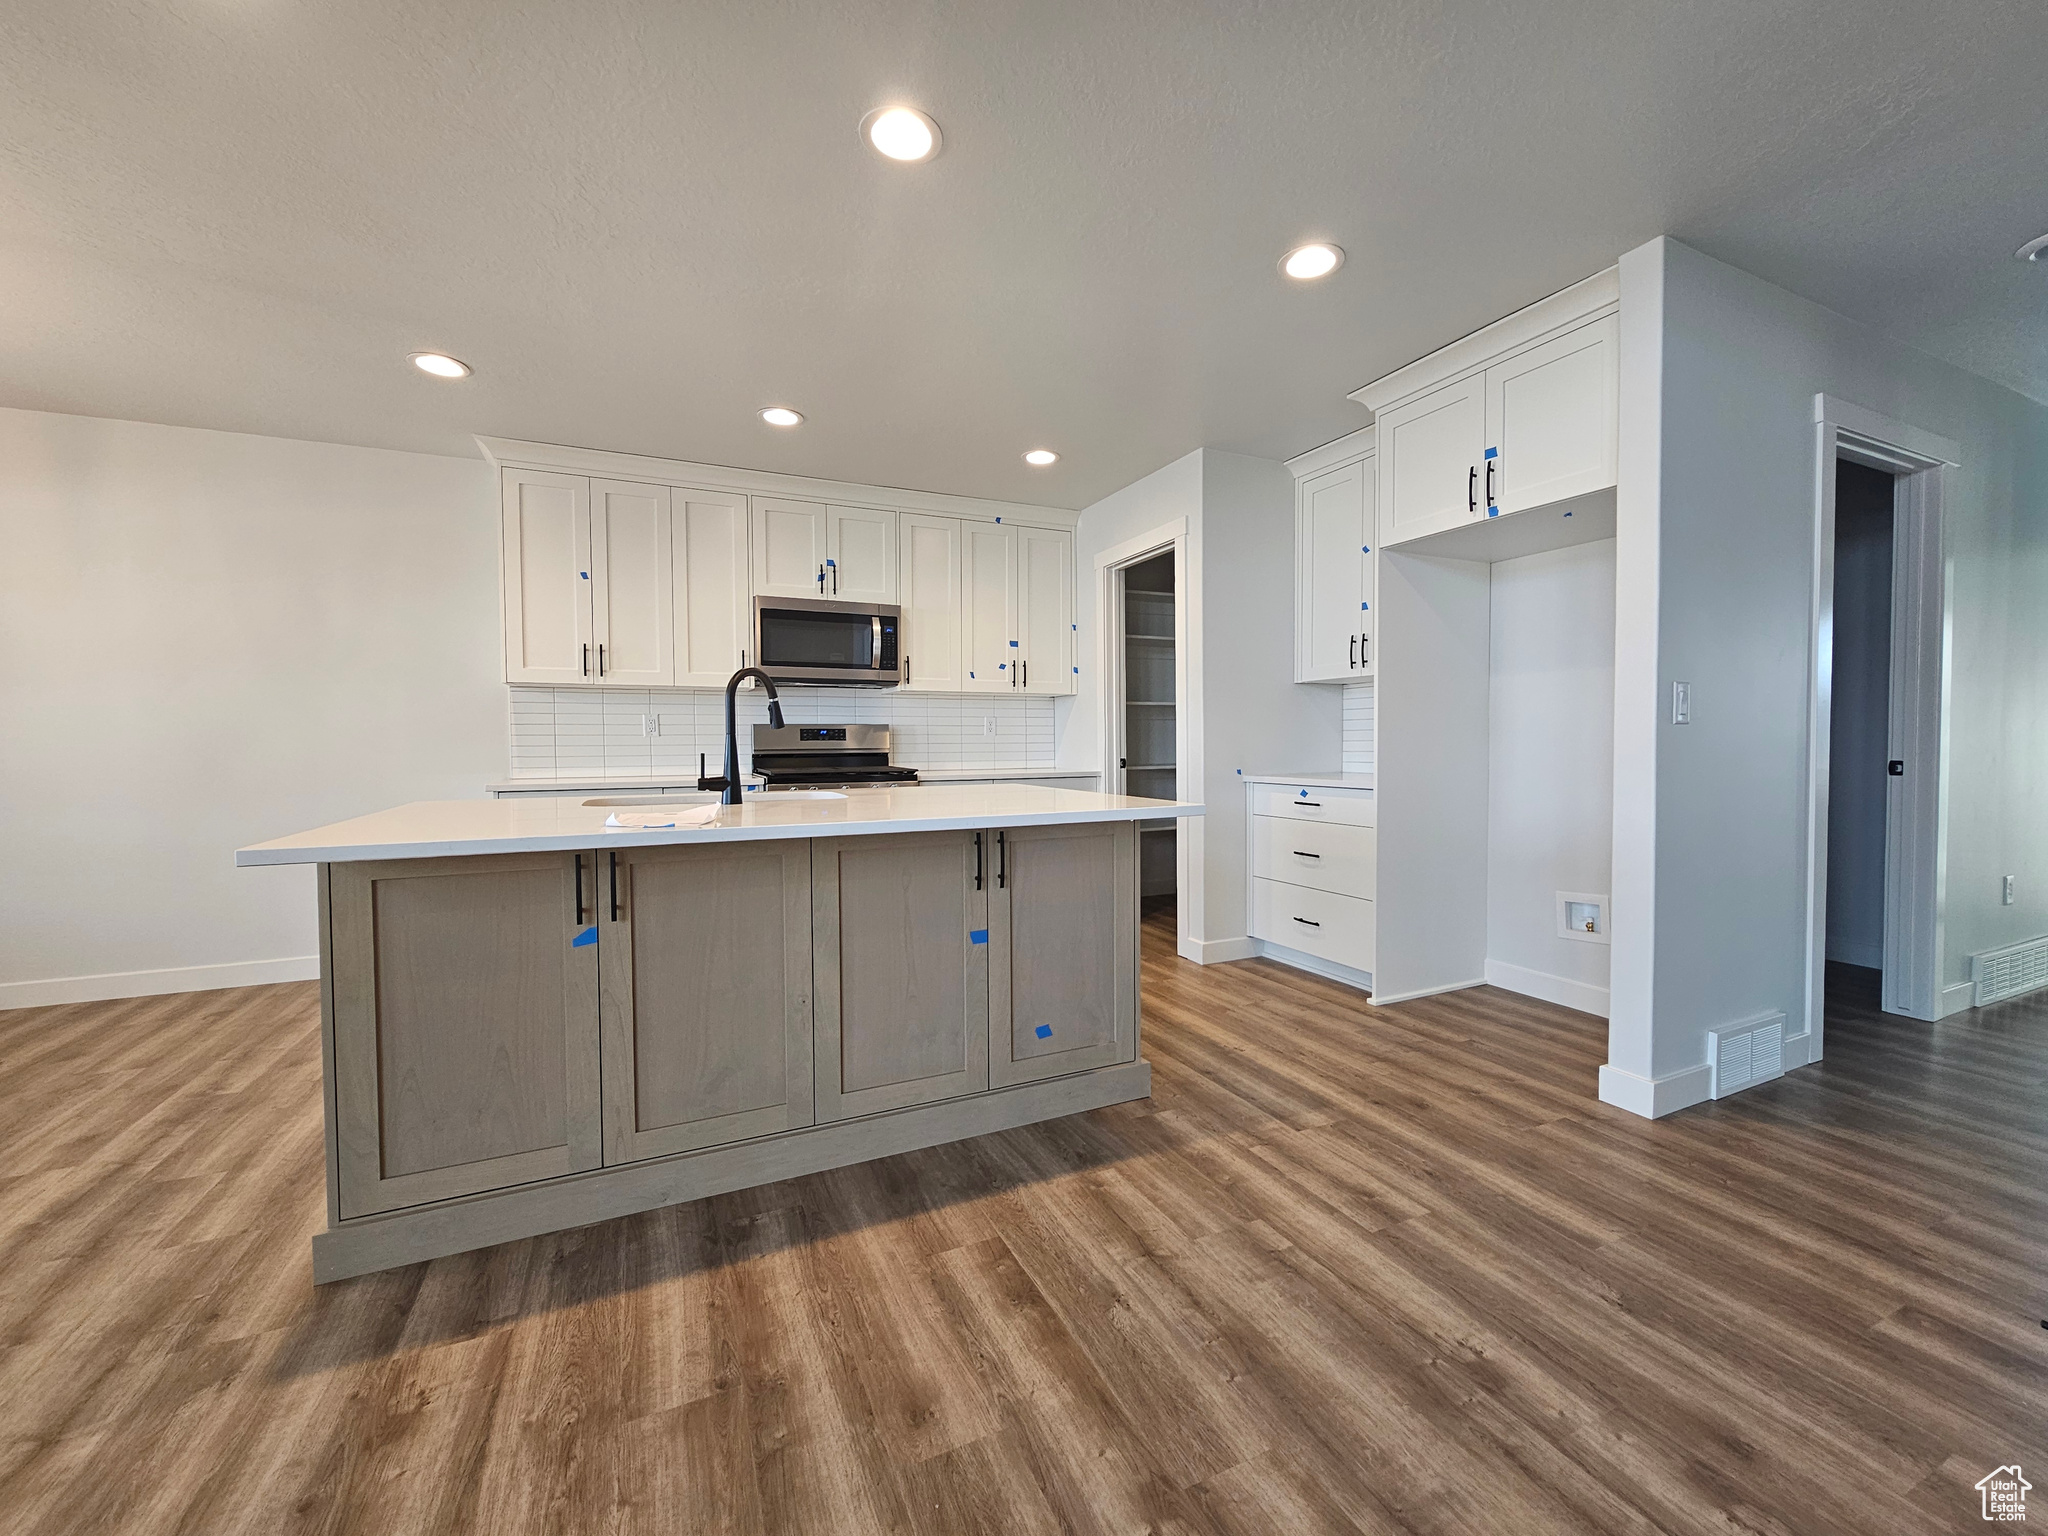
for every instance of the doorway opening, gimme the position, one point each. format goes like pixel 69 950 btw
pixel 1859 733
pixel 1877 722
pixel 1146 749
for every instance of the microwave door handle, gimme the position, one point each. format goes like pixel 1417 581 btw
pixel 876 620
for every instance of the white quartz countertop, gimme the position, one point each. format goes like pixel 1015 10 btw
pixel 600 783
pixel 1314 780
pixel 429 829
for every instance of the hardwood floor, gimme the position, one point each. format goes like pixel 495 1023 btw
pixel 1347 1270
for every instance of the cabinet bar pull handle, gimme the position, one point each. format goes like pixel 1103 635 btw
pixel 821 580
pixel 615 886
pixel 1026 683
pixel 1308 923
pixel 1489 480
pixel 1472 489
pixel 1300 854
pixel 1354 650
pixel 586 658
pixel 600 658
pixel 977 861
pixel 1002 861
pixel 579 890
pixel 1314 805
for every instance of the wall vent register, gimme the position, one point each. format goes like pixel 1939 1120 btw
pixel 2008 972
pixel 1746 1055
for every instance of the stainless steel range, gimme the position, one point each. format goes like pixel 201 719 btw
pixel 826 757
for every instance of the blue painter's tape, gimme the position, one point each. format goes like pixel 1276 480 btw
pixel 977 936
pixel 1077 670
pixel 1365 605
pixel 1002 666
pixel 1044 1031
pixel 999 519
pixel 1304 794
pixel 1493 453
pixel 1365 548
pixel 584 574
pixel 970 674
pixel 1013 645
pixel 831 562
pixel 587 936
pixel 1493 511
pixel 1567 514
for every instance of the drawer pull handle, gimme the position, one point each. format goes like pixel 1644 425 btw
pixel 1299 854
pixel 1308 923
pixel 1314 805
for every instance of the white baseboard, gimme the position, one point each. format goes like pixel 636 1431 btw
pixel 1956 997
pixel 1561 990
pixel 1328 969
pixel 1847 952
pixel 184 978
pixel 1655 1097
pixel 1384 998
pixel 1799 1051
pixel 1216 951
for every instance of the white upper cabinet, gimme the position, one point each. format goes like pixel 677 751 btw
pixel 1045 610
pixel 1333 585
pixel 545 542
pixel 1517 416
pixel 929 589
pixel 789 548
pixel 713 614
pixel 1429 457
pixel 1551 418
pixel 860 554
pixel 988 561
pixel 633 613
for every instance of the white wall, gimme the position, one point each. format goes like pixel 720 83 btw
pixel 207 639
pixel 1242 707
pixel 1722 503
pixel 1859 727
pixel 1550 810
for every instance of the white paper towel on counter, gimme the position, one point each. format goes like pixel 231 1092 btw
pixel 683 816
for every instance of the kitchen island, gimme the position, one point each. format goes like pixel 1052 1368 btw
pixel 533 1021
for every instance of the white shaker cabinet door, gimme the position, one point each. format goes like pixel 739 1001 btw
pixel 1429 454
pixel 632 595
pixel 713 614
pixel 789 548
pixel 989 583
pixel 1045 610
pixel 860 554
pixel 545 546
pixel 1551 415
pixel 1331 588
pixel 930 592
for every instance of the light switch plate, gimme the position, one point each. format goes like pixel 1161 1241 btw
pixel 1681 703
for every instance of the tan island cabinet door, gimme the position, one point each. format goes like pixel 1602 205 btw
pixel 465 1025
pixel 706 973
pixel 902 970
pixel 1063 950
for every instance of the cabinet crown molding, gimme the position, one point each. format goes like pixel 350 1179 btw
pixel 1589 299
pixel 1352 445
pixel 510 453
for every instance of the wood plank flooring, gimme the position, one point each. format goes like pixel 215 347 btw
pixel 1348 1270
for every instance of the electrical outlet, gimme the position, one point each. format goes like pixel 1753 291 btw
pixel 988 726
pixel 2008 890
pixel 650 725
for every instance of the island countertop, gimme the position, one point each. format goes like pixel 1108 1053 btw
pixel 429 829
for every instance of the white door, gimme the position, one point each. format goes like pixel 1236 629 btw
pixel 988 580
pixel 713 615
pixel 1551 414
pixel 789 548
pixel 1045 610
pixel 930 593
pixel 860 554
pixel 1330 579
pixel 1429 453
pixel 545 545
pixel 633 606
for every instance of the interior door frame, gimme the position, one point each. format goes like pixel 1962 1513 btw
pixel 1916 808
pixel 1109 666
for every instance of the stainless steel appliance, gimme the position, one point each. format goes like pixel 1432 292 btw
pixel 820 640
pixel 826 757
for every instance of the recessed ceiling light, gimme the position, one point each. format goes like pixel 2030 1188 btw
pixel 1311 261
pixel 440 365
pixel 901 133
pixel 1041 457
pixel 2035 249
pixel 781 416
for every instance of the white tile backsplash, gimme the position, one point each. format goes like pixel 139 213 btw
pixel 570 732
pixel 1358 728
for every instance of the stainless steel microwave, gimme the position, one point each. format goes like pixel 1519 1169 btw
pixel 816 640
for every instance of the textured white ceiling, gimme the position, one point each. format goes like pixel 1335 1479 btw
pixel 642 221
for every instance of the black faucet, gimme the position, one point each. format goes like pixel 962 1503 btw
pixel 730 784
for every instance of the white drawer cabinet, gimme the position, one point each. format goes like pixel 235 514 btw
pixel 1330 856
pixel 1308 802
pixel 1320 923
